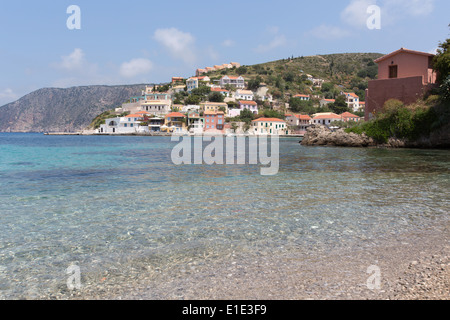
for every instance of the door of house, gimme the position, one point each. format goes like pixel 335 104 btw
pixel 393 72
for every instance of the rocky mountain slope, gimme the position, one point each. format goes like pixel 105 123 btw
pixel 62 110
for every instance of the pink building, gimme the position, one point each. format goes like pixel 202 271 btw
pixel 404 75
pixel 214 120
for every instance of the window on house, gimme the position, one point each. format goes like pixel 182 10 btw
pixel 393 71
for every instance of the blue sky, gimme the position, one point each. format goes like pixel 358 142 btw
pixel 137 41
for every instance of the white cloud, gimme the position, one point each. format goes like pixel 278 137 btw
pixel 410 7
pixel 327 32
pixel 74 61
pixel 228 43
pixel 355 14
pixel 135 67
pixel 180 44
pixel 278 40
pixel 7 95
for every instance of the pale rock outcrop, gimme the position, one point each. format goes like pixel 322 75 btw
pixel 319 135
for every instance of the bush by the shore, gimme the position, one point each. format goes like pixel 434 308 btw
pixel 410 123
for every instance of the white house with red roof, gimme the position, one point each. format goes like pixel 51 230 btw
pixel 244 95
pixel 300 122
pixel 269 126
pixel 325 118
pixel 352 100
pixel 125 125
pixel 235 82
pixel 303 97
pixel 347 116
pixel 224 92
pixel 195 82
pixel 325 102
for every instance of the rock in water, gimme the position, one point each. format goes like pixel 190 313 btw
pixel 320 135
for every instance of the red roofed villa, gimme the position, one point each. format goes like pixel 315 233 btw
pixel 269 126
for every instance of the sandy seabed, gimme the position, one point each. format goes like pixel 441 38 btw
pixel 411 267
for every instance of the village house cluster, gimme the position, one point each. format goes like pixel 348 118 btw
pixel 155 112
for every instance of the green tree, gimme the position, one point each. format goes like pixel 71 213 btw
pixel 241 70
pixel 253 84
pixel 216 97
pixel 201 91
pixel 441 62
pixel 327 86
pixel 246 116
pixel 298 105
pixel 193 99
pixel 339 106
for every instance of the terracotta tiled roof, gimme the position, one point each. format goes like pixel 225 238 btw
pixel 351 94
pixel 327 116
pixel 175 115
pixel 405 51
pixel 348 115
pixel 135 115
pixel 268 120
pixel 253 103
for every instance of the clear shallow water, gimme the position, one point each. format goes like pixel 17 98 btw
pixel 106 202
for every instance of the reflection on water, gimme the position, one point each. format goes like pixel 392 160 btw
pixel 107 202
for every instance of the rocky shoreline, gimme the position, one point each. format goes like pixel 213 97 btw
pixel 320 135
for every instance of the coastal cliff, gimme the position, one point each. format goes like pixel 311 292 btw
pixel 62 110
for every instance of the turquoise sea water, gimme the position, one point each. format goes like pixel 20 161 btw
pixel 106 202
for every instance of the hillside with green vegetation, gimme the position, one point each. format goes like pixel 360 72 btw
pixel 288 77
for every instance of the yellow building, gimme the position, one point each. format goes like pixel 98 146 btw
pixel 214 107
pixel 175 122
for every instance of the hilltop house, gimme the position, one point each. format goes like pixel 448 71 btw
pixel 404 74
pixel 224 92
pixel 250 105
pixel 244 95
pixel 325 102
pixel 195 82
pixel 352 100
pixel 235 82
pixel 214 106
pixel 302 97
